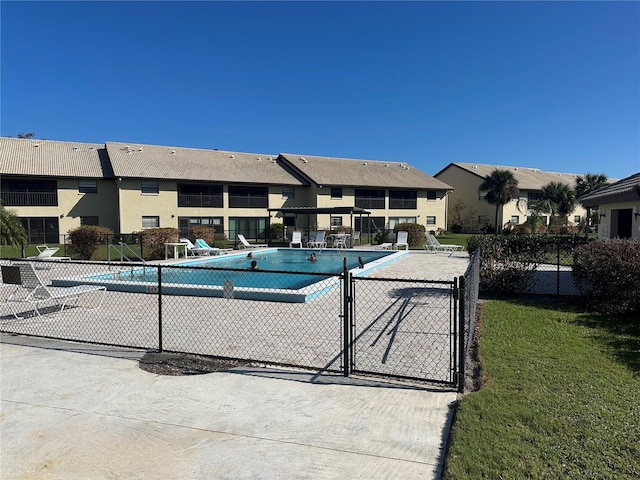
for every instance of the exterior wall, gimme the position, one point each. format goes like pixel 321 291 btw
pixel 611 223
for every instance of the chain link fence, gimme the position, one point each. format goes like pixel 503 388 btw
pixel 331 321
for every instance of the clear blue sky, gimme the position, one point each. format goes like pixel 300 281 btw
pixel 548 85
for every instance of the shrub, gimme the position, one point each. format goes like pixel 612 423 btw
pixel 416 233
pixel 456 228
pixel 507 262
pixel 208 234
pixel 276 231
pixel 153 240
pixel 608 274
pixel 86 240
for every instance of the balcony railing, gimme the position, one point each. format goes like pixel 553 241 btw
pixel 199 200
pixel 370 202
pixel 236 201
pixel 403 203
pixel 29 199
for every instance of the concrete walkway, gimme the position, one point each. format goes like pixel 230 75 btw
pixel 81 411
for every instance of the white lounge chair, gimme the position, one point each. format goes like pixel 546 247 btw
pixel 244 244
pixel 192 249
pixel 201 244
pixel 402 240
pixel 296 239
pixel 31 291
pixel 318 240
pixel 433 245
pixel 46 252
pixel 385 246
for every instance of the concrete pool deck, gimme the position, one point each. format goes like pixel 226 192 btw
pixel 73 410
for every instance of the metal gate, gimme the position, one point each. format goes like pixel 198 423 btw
pixel 405 329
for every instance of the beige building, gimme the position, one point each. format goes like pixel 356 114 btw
pixel 469 208
pixel 618 207
pixel 54 187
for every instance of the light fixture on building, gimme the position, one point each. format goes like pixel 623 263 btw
pixel 635 212
pixel 601 213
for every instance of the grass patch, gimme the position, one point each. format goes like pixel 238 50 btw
pixel 561 397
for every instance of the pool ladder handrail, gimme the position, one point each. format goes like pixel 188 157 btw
pixel 124 257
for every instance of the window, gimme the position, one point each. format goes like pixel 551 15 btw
pixel 186 223
pixel 253 228
pixel 88 187
pixel 393 221
pixel 149 188
pixel 431 220
pixel 248 197
pixel 431 195
pixel 41 229
pixel 403 199
pixel 336 221
pixel 336 193
pixel 515 219
pixel 150 222
pixel 369 224
pixel 577 218
pixel 288 192
pixel 89 220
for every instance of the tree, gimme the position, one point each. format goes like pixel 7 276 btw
pixel 501 187
pixel 12 231
pixel 589 183
pixel 561 198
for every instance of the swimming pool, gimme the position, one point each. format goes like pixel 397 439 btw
pixel 285 275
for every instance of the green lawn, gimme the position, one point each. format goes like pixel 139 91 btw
pixel 561 397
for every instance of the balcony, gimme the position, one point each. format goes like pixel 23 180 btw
pixel 403 203
pixel 200 200
pixel 369 203
pixel 29 199
pixel 242 201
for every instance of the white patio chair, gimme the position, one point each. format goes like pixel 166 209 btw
pixel 244 244
pixel 46 252
pixel 31 291
pixel 193 250
pixel 296 239
pixel 402 240
pixel 433 245
pixel 318 240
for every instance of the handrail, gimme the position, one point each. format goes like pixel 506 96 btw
pixel 122 254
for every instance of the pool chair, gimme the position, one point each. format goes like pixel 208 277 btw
pixel 193 250
pixel 401 240
pixel 201 244
pixel 434 246
pixel 244 244
pixel 318 240
pixel 296 239
pixel 46 252
pixel 34 294
pixel 385 246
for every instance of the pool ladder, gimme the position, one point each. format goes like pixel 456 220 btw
pixel 120 249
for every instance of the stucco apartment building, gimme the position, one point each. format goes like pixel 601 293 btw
pixel 468 206
pixel 55 186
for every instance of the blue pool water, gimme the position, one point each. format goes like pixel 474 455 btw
pixel 233 277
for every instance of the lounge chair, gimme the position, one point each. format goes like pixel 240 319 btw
pixel 193 250
pixel 32 291
pixel 433 245
pixel 46 252
pixel 296 239
pixel 385 246
pixel 201 244
pixel 244 244
pixel 402 240
pixel 318 240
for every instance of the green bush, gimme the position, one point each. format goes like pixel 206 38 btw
pixel 86 241
pixel 507 262
pixel 608 274
pixel 153 240
pixel 416 232
pixel 276 231
pixel 208 234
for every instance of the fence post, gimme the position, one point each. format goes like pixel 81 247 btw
pixel 160 309
pixel 346 324
pixel 462 314
pixel 558 268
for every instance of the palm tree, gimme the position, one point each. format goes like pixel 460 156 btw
pixel 12 231
pixel 501 187
pixel 589 183
pixel 561 198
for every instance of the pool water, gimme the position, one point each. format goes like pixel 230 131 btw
pixel 284 274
